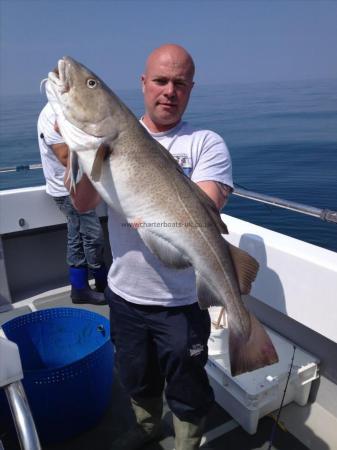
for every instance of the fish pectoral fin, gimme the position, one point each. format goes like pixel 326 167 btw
pixel 164 250
pixel 247 353
pixel 205 294
pixel 101 154
pixel 74 173
pixel 246 268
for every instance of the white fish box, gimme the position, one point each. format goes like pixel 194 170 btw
pixel 250 396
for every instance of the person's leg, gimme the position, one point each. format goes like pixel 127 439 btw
pixel 138 369
pixel 75 252
pixel 81 293
pixel 93 245
pixel 182 347
pixel 76 259
pixel 188 434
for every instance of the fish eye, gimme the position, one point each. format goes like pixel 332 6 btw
pixel 91 83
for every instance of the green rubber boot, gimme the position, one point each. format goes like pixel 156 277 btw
pixel 188 435
pixel 148 413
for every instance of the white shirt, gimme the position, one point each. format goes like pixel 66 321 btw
pixel 53 169
pixel 136 274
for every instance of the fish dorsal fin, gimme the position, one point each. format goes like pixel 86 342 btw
pixel 101 154
pixel 246 268
pixel 210 206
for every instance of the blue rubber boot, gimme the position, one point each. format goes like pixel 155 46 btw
pixel 101 276
pixel 80 289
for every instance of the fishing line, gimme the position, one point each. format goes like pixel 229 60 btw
pixel 273 431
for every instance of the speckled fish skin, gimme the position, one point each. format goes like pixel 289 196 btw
pixel 138 177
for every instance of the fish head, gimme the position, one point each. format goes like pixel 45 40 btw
pixel 82 98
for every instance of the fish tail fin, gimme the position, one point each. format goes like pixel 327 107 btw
pixel 254 352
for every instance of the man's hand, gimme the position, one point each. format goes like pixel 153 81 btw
pixel 85 197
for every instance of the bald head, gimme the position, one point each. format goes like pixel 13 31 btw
pixel 167 83
pixel 174 55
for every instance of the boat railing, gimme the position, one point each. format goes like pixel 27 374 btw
pixel 11 375
pixel 321 213
pixel 22 416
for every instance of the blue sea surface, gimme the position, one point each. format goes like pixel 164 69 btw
pixel 282 137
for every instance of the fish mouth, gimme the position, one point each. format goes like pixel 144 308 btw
pixel 59 76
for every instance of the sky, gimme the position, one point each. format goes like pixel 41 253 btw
pixel 230 41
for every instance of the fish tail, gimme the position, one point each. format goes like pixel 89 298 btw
pixel 254 352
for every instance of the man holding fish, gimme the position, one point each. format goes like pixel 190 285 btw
pixel 170 261
pixel 164 333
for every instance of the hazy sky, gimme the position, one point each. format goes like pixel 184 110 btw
pixel 230 41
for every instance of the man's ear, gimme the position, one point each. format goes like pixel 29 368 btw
pixel 143 82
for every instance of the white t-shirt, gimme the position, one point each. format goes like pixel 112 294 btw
pixel 53 170
pixel 136 274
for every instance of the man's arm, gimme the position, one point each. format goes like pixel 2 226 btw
pixel 213 169
pixel 217 192
pixel 61 152
pixel 85 197
pixel 61 149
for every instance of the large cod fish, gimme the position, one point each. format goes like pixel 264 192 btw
pixel 139 178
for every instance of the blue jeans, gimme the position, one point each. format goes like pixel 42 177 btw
pixel 85 243
pixel 163 349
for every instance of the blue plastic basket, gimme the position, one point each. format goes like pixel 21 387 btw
pixel 67 358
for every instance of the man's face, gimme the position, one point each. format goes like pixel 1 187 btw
pixel 167 85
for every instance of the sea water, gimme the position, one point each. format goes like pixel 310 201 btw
pixel 282 137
